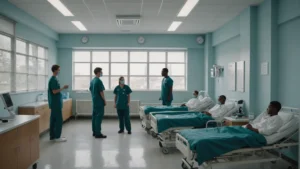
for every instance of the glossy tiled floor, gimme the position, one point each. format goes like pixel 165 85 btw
pixel 118 151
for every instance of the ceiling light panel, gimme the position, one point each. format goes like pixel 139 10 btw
pixel 174 25
pixel 61 7
pixel 79 25
pixel 187 8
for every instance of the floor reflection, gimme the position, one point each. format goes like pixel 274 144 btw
pixel 137 158
pixel 47 166
pixel 83 158
pixel 109 157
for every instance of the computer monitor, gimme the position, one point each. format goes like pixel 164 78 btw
pixel 7 101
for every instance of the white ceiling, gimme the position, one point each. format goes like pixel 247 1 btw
pixel 99 16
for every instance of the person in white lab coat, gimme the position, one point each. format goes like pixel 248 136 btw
pixel 219 110
pixel 268 122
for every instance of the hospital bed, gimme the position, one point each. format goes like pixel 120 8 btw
pixel 282 139
pixel 167 135
pixel 205 104
pixel 145 111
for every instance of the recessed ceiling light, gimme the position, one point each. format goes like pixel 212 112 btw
pixel 79 25
pixel 61 7
pixel 187 8
pixel 174 26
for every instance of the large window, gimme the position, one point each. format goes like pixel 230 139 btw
pixel 31 66
pixel 29 69
pixel 23 65
pixel 5 62
pixel 140 68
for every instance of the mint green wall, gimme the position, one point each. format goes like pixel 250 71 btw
pixel 266 33
pixel 209 62
pixel 289 53
pixel 224 53
pixel 195 59
pixel 129 41
pixel 266 52
pixel 32 30
pixel 231 43
pixel 226 32
pixel 288 10
pixel 20 16
pixel 289 57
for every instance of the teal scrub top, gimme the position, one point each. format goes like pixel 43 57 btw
pixel 122 96
pixel 54 100
pixel 167 82
pixel 96 86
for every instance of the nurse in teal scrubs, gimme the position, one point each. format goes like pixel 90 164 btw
pixel 166 88
pixel 122 102
pixel 55 104
pixel 97 92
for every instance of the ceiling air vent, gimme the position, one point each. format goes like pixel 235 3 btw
pixel 128 20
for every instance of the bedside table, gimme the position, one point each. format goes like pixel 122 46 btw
pixel 229 121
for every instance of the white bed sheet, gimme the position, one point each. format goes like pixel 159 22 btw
pixel 280 135
pixel 230 112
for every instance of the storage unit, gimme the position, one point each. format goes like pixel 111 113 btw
pixel 229 121
pixel 85 107
pixel 19 142
pixel 42 109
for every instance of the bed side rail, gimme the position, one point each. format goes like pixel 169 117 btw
pixel 219 123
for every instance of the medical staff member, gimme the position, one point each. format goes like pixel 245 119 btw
pixel 166 88
pixel 97 92
pixel 122 102
pixel 55 104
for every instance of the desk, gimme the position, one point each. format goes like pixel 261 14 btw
pixel 42 109
pixel 19 142
pixel 230 121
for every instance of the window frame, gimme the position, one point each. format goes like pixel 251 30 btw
pixel 12 57
pixel 13 52
pixel 37 58
pixel 128 66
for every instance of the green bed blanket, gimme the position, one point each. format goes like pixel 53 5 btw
pixel 213 142
pixel 149 109
pixel 166 120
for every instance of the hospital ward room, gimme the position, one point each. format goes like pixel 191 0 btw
pixel 149 84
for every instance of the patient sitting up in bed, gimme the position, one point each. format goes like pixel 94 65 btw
pixel 269 122
pixel 219 110
pixel 192 101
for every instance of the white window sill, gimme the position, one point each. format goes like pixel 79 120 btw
pixel 25 92
pixel 110 90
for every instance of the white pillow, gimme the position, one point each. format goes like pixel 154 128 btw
pixel 229 105
pixel 205 104
pixel 205 100
pixel 235 109
pixel 286 117
pixel 200 97
pixel 288 125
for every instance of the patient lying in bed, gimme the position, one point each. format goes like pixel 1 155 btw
pixel 218 110
pixel 192 101
pixel 233 137
pixel 269 122
pixel 197 104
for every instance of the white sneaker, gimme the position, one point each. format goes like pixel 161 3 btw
pixel 62 139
